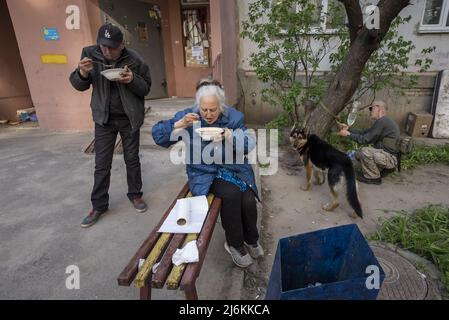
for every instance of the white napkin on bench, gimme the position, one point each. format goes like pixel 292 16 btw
pixel 188 254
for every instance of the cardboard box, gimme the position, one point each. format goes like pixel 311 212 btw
pixel 418 124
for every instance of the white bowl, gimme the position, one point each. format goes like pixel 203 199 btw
pixel 208 134
pixel 112 74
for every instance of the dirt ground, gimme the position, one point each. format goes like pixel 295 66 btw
pixel 288 211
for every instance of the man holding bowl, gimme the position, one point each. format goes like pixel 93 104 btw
pixel 117 107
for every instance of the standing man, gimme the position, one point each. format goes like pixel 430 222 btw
pixel 382 159
pixel 117 107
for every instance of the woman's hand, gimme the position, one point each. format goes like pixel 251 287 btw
pixel 187 121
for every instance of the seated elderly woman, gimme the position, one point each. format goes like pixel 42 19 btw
pixel 232 180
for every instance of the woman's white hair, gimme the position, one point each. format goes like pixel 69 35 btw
pixel 211 90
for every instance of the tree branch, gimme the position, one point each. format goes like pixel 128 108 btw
pixel 388 11
pixel 355 17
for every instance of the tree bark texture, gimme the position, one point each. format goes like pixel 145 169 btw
pixel 363 43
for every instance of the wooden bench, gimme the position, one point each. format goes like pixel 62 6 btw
pixel 159 248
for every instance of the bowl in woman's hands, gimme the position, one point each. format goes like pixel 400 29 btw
pixel 209 134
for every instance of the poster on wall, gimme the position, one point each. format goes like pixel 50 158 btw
pixel 197 51
pixel 51 34
pixel 197 57
pixel 142 31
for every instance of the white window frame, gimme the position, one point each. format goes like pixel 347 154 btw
pixel 322 29
pixel 436 28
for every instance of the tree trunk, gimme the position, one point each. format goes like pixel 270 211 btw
pixel 363 43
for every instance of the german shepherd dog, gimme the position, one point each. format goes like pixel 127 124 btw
pixel 318 153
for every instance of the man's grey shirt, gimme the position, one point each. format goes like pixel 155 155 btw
pixel 384 127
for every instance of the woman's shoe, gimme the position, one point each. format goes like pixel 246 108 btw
pixel 240 259
pixel 255 250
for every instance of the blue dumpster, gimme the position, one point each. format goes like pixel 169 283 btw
pixel 335 264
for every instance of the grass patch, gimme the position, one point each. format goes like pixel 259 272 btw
pixel 426 155
pixel 342 144
pixel 425 232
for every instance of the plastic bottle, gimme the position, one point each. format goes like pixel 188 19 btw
pixel 353 114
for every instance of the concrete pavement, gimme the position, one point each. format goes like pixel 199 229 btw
pixel 45 190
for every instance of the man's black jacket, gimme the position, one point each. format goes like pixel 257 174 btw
pixel 132 94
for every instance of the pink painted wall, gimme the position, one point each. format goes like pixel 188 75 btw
pixel 224 41
pixel 168 46
pixel 229 39
pixel 94 16
pixel 14 92
pixel 58 105
pixel 216 33
pixel 185 78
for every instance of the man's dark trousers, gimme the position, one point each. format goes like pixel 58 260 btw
pixel 105 139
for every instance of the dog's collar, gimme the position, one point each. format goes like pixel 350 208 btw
pixel 301 150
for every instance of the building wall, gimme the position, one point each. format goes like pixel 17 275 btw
pixel 58 105
pixel 185 78
pixel 409 31
pixel 61 107
pixel 416 99
pixel 229 37
pixel 94 17
pixel 168 46
pixel 14 91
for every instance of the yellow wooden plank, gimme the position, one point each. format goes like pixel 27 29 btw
pixel 176 273
pixel 210 198
pixel 54 59
pixel 152 258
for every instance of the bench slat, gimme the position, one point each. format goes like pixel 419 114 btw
pixel 164 268
pixel 177 271
pixel 146 270
pixel 193 269
pixel 129 273
pixel 175 276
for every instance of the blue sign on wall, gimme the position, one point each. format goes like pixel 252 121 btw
pixel 51 34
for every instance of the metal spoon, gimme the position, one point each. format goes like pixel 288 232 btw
pixel 104 65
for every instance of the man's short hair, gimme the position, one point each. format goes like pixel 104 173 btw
pixel 381 104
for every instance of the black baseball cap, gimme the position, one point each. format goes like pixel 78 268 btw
pixel 110 36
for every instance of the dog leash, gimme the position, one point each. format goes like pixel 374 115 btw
pixel 331 114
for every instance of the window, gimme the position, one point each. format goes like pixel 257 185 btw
pixel 435 16
pixel 335 15
pixel 195 31
pixel 194 2
pixel 330 15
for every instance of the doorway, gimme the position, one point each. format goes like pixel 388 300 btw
pixel 141 23
pixel 14 91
